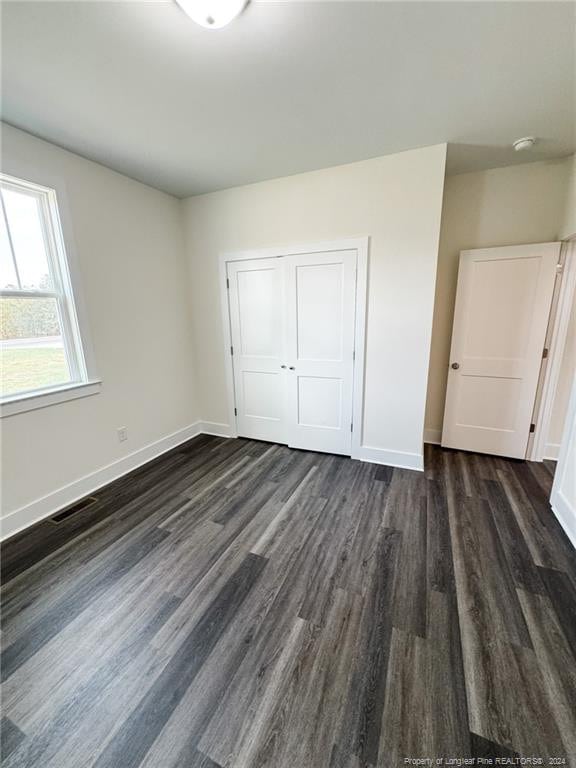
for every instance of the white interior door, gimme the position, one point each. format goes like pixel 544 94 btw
pixel 256 300
pixel 320 308
pixel 502 307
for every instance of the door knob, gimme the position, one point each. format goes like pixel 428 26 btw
pixel 292 368
pixel 455 366
pixel 282 366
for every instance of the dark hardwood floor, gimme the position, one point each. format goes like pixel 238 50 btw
pixel 241 604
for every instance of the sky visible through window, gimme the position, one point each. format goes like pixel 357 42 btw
pixel 23 214
pixel 32 350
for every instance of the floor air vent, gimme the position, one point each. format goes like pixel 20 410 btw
pixel 73 510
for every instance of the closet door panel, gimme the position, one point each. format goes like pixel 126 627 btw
pixel 320 290
pixel 256 296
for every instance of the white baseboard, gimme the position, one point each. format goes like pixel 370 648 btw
pixel 433 436
pixel 551 451
pixel 216 429
pixel 400 459
pixel 566 516
pixel 48 505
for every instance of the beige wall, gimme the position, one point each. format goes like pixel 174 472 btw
pixel 505 206
pixel 396 200
pixel 129 251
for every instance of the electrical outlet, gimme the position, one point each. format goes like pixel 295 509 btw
pixel 122 434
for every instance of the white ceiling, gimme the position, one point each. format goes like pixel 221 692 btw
pixel 289 86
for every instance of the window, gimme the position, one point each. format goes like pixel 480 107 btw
pixel 40 346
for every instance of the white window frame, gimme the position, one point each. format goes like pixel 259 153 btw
pixel 81 383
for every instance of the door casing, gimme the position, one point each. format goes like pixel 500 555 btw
pixel 360 245
pixel 550 373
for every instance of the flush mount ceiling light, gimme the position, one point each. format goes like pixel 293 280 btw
pixel 526 143
pixel 213 14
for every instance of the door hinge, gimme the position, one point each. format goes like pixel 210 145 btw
pixel 235 411
pixel 532 427
pixel 559 268
pixel 228 283
pixel 354 354
pixel 351 427
pixel 231 350
pixel 544 353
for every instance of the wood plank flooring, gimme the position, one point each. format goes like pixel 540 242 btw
pixel 236 604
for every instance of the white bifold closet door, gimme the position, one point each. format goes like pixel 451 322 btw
pixel 256 300
pixel 292 323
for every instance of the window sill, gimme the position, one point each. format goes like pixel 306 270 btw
pixel 33 400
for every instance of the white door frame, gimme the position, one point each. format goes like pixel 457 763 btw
pixel 537 451
pixel 561 502
pixel 360 245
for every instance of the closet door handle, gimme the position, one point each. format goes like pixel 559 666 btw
pixel 282 366
pixel 292 368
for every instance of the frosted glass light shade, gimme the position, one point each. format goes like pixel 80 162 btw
pixel 212 14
